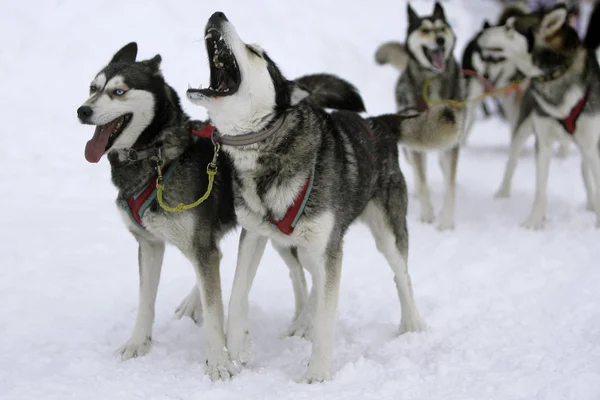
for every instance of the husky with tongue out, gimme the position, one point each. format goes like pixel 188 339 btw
pixel 139 123
pixel 427 54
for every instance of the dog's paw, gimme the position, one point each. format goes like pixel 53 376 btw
pixel 502 193
pixel 312 377
pixel 411 324
pixel 589 206
pixel 534 222
pixel 301 327
pixel 221 370
pixel 240 347
pixel 445 224
pixel 427 215
pixel 191 307
pixel 134 348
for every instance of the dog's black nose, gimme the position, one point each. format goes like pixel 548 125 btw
pixel 219 15
pixel 84 112
pixel 440 41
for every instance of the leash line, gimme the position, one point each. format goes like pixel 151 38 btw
pixel 459 104
pixel 211 171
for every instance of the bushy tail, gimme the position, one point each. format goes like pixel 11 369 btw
pixel 393 53
pixel 330 91
pixel 437 128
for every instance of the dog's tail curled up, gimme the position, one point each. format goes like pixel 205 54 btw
pixel 330 91
pixel 393 53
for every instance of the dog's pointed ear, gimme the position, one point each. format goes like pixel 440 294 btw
pixel 554 20
pixel 438 12
pixel 413 18
pixel 486 24
pixel 297 93
pixel 154 63
pixel 127 54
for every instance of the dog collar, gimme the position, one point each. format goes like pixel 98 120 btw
pixel 210 132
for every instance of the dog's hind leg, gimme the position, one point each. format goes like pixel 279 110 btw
pixel 191 306
pixel 290 257
pixel 386 219
pixel 150 259
pixel 250 251
pixel 326 266
pixel 519 136
pixel 449 164
pixel 588 181
pixel 591 160
pixel 420 167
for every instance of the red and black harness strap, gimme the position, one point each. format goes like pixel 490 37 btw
pixel 137 204
pixel 570 123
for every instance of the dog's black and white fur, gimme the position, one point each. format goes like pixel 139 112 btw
pixel 136 113
pixel 430 43
pixel 356 176
pixel 563 73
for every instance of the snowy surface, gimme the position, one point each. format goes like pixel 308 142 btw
pixel 512 314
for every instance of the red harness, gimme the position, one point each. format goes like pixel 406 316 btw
pixel 570 123
pixel 286 224
pixel 137 205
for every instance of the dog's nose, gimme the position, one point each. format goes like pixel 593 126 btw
pixel 220 15
pixel 84 112
pixel 440 41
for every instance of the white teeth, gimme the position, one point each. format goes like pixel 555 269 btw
pixel 208 35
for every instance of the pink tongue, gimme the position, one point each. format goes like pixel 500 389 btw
pixel 438 60
pixel 95 147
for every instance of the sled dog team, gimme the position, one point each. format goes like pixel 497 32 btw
pixel 293 162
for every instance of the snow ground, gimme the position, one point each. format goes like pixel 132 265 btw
pixel 512 314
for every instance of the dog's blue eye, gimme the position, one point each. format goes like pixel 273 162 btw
pixel 119 92
pixel 93 89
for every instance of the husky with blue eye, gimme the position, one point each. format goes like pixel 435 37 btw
pixel 140 126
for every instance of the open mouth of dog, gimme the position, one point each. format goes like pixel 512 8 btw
pixel 104 137
pixel 437 57
pixel 225 75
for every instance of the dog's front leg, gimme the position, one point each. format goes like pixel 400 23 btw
pixel 543 147
pixel 251 249
pixel 449 165
pixel 150 259
pixel 326 267
pixel 206 265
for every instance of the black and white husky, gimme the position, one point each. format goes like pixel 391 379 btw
pixel 429 45
pixel 140 124
pixel 565 94
pixel 302 176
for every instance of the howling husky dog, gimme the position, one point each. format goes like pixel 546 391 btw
pixel 139 123
pixel 430 43
pixel 302 176
pixel 565 87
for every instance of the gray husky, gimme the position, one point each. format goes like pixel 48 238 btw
pixel 429 44
pixel 565 89
pixel 302 176
pixel 141 127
